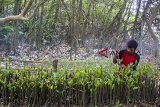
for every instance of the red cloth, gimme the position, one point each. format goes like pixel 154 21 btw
pixel 128 59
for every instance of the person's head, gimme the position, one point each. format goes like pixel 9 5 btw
pixel 132 46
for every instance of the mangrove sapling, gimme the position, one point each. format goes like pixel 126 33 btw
pixel 99 100
pixel 151 89
pixel 155 88
pixel 106 94
pixel 95 95
pixel 76 95
pixel 91 97
pixel 80 95
pixel 110 87
pixel 91 89
pixel 65 94
pixel 147 89
pixel 69 97
pixel 114 94
pixel 72 95
pixel 36 88
pixel 101 76
pixel 102 97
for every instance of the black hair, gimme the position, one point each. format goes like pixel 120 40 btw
pixel 132 44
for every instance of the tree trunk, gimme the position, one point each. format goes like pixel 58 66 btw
pixel 55 65
pixel 156 41
pixel 136 21
pixel 1 6
pixel 84 34
pixel 57 11
pixel 150 30
pixel 72 28
pixel 14 42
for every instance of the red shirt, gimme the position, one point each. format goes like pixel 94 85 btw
pixel 129 58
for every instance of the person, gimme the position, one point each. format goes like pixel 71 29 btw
pixel 128 56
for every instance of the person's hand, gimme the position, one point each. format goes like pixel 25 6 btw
pixel 123 66
pixel 115 55
pixel 115 58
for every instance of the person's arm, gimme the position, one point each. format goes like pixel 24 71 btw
pixel 118 56
pixel 137 62
pixel 115 58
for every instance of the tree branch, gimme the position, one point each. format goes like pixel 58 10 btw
pixel 27 7
pixel 12 18
pixel 24 12
pixel 150 30
pixel 36 8
pixel 21 16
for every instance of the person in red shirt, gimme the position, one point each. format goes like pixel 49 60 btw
pixel 128 56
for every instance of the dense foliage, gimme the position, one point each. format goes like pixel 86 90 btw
pixel 94 85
